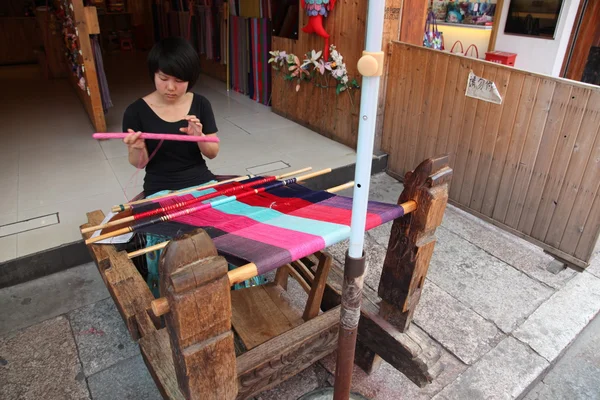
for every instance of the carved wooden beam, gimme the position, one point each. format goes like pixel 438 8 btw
pixel 194 281
pixel 412 241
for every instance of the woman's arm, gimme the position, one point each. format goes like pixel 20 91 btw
pixel 136 146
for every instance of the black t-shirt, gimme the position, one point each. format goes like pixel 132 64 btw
pixel 176 165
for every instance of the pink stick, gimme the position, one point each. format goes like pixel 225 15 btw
pixel 159 136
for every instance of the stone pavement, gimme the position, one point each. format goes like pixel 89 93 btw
pixel 502 312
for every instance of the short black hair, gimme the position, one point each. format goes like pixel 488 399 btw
pixel 175 56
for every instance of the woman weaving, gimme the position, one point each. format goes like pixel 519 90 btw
pixel 174 67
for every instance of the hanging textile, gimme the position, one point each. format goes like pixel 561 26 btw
pixel 184 23
pixel 239 54
pixel 223 34
pixel 102 82
pixel 173 23
pixel 200 30
pixel 261 72
pixel 250 91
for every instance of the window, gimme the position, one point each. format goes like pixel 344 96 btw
pixel 537 18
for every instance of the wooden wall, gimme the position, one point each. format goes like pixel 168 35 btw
pixel 530 165
pixel 322 110
pixel 87 23
pixel 20 38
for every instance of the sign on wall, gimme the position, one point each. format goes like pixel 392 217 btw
pixel 482 89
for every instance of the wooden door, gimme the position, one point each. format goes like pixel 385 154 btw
pixel 582 61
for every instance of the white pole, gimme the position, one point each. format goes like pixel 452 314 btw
pixel 366 132
pixel 370 66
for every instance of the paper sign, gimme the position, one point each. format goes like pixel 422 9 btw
pixel 482 89
pixel 113 240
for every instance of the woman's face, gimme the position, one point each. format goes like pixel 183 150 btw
pixel 169 87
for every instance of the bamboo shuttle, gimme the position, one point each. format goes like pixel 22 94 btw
pixel 131 218
pixel 129 229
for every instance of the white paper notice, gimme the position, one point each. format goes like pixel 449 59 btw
pixel 114 240
pixel 482 89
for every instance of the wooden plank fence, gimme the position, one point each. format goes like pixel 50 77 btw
pixel 530 165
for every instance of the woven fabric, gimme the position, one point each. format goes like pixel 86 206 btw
pixel 239 54
pixel 276 227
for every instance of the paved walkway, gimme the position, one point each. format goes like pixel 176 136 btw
pixel 501 311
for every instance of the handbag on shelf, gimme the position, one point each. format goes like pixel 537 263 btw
pixel 432 38
pixel 464 52
pixel 462 49
pixel 476 51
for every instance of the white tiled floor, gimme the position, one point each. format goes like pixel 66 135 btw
pixel 49 162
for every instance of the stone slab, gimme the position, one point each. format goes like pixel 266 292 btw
pixel 387 383
pixel 40 362
pixel 509 248
pixel 503 373
pixel 577 374
pixel 313 377
pixel 489 286
pixel 458 328
pixel 101 336
pixel 34 301
pixel 553 326
pixel 128 379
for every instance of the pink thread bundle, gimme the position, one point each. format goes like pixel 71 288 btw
pixel 159 136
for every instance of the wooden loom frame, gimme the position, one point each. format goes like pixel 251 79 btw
pixel 194 354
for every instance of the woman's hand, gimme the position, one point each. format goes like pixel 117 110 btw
pixel 194 127
pixel 133 140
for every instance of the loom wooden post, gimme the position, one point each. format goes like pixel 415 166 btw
pixel 194 283
pixel 412 241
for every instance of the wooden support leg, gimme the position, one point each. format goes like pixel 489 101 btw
pixel 313 304
pixel 412 241
pixel 194 281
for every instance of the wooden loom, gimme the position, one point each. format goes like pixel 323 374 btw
pixel 201 340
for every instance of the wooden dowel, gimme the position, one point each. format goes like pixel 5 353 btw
pixel 160 306
pixel 409 206
pixel 298 278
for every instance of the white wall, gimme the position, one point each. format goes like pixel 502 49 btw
pixel 467 36
pixel 535 54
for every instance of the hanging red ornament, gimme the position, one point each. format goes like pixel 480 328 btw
pixel 317 10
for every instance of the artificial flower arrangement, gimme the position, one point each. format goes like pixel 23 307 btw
pixel 314 68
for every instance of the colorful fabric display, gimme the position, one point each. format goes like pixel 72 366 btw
pixel 261 72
